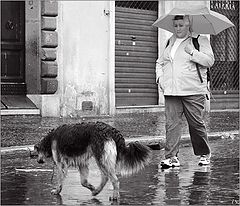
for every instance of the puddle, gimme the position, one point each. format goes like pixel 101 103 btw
pixel 25 182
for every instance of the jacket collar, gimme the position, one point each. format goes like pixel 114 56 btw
pixel 192 34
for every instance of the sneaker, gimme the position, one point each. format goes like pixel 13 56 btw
pixel 204 160
pixel 170 162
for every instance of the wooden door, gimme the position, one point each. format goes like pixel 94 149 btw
pixel 12 47
pixel 136 52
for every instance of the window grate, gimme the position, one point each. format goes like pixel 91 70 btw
pixel 225 71
pixel 145 5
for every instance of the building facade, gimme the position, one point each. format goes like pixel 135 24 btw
pixel 81 58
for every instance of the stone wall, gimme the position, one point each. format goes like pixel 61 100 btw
pixel 49 43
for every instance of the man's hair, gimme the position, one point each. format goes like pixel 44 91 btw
pixel 178 17
pixel 185 18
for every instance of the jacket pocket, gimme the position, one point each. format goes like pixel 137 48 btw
pixel 167 75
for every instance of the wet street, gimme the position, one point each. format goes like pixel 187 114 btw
pixel 25 182
pixel 26 130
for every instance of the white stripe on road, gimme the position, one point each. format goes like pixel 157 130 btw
pixel 33 170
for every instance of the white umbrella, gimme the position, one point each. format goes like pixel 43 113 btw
pixel 203 20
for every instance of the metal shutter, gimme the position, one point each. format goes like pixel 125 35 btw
pixel 136 53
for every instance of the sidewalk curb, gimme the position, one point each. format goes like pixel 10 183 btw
pixel 157 142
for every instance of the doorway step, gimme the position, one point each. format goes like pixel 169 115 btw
pixel 18 105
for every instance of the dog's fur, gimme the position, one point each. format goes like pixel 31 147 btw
pixel 74 144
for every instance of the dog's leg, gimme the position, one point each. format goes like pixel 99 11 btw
pixel 115 183
pixel 84 171
pixel 107 165
pixel 110 162
pixel 61 170
pixel 108 172
pixel 104 179
pixel 61 174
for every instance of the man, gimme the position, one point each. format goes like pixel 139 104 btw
pixel 183 91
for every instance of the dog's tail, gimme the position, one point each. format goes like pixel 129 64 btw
pixel 132 158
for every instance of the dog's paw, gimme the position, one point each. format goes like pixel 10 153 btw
pixel 55 192
pixel 114 199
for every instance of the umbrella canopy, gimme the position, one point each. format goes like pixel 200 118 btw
pixel 203 20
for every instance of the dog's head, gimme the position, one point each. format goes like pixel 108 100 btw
pixel 43 149
pixel 40 154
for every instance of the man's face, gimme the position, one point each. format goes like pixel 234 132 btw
pixel 180 28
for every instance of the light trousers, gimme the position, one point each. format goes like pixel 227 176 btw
pixel 192 107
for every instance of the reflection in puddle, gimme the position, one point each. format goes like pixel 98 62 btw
pixel 25 182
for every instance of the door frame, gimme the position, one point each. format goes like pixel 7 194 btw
pixel 32 46
pixel 32 43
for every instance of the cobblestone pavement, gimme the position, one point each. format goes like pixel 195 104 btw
pixel 27 130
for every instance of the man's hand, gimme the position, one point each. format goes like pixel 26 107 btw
pixel 189 49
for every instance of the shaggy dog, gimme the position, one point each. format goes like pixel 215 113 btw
pixel 74 144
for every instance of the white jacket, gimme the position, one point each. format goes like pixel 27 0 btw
pixel 178 76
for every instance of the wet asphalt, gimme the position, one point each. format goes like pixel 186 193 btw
pixel 191 184
pixel 25 182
